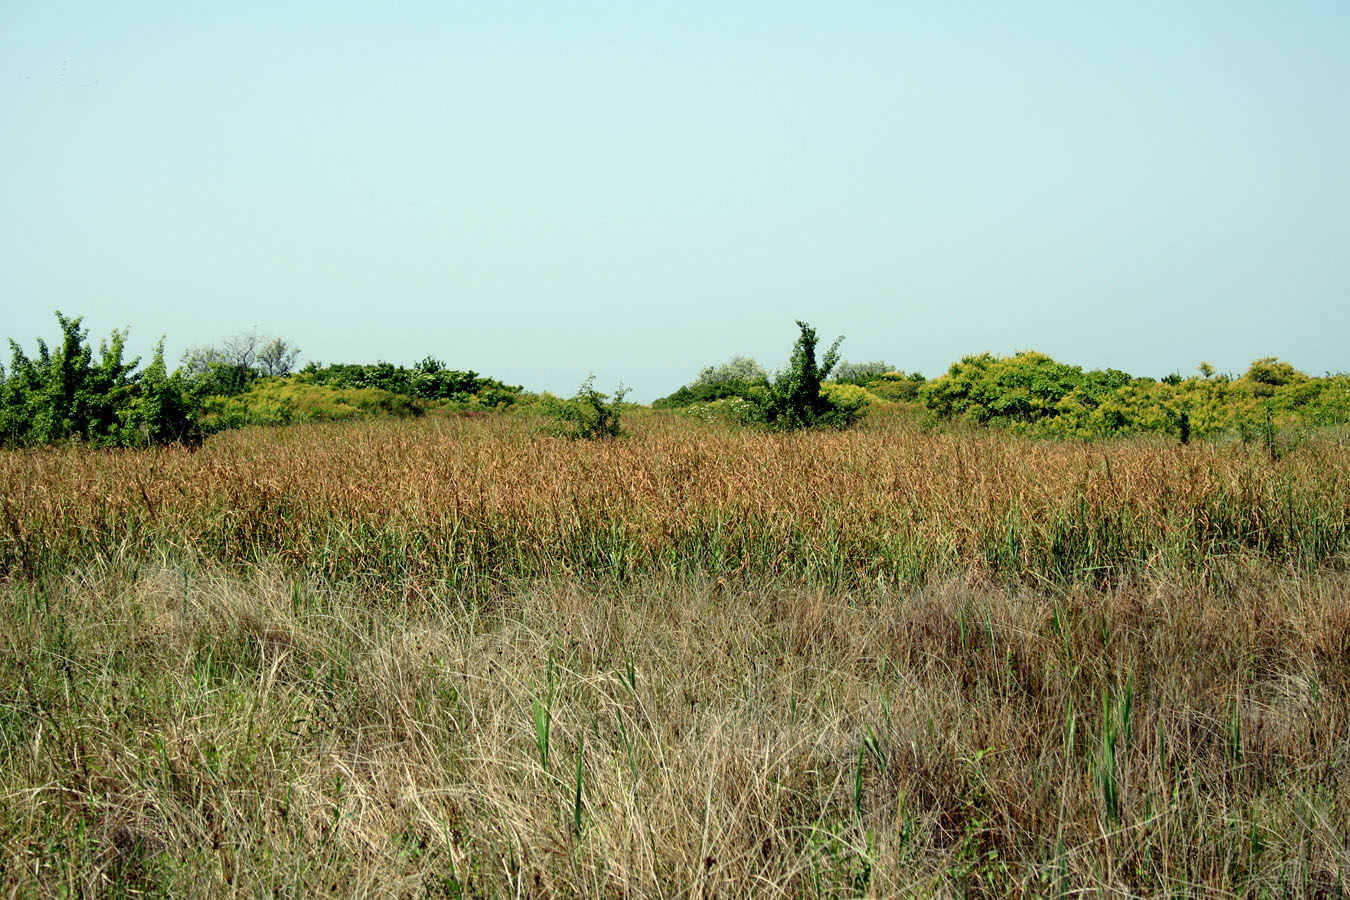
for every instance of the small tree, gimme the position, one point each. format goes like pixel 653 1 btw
pixel 229 367
pixel 737 370
pixel 276 357
pixel 589 414
pixel 794 399
pixel 860 373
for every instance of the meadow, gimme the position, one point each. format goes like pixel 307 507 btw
pixel 458 657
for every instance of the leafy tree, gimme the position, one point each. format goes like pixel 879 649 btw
pixel 737 370
pixel 1268 373
pixel 163 411
pixel 794 399
pixel 228 368
pixel 277 357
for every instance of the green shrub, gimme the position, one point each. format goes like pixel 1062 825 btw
pixel 848 394
pixel 429 379
pixel 1030 393
pixel 64 395
pixel 794 399
pixel 1022 388
pixel 737 410
pixel 588 414
pixel 896 386
pixel 162 410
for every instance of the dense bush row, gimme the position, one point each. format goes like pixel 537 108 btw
pixel 68 393
pixel 65 394
pixel 427 380
pixel 1032 393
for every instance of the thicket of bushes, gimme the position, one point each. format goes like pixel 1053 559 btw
pixel 429 379
pixel 1034 394
pixel 68 393
pixel 1031 393
pixel 64 394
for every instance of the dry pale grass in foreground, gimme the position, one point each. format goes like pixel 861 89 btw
pixel 185 733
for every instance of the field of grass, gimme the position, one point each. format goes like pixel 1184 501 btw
pixel 459 658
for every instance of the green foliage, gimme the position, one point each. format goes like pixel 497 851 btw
pixel 794 399
pixel 163 411
pixel 739 376
pixel 1271 371
pixel 896 386
pixel 860 373
pixel 1022 388
pixel 429 379
pixel 737 370
pixel 852 395
pixel 588 414
pixel 217 378
pixel 737 410
pixel 708 393
pixel 1033 394
pixel 280 401
pixel 228 368
pixel 65 395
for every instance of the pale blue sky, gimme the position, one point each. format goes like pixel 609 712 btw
pixel 542 190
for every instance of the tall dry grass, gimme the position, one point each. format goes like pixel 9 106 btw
pixel 460 660
pixel 479 502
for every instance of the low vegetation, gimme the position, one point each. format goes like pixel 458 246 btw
pixel 428 380
pixel 287 401
pixel 460 657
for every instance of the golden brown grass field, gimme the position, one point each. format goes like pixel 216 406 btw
pixel 460 658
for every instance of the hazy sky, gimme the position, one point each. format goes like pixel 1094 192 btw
pixel 539 191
